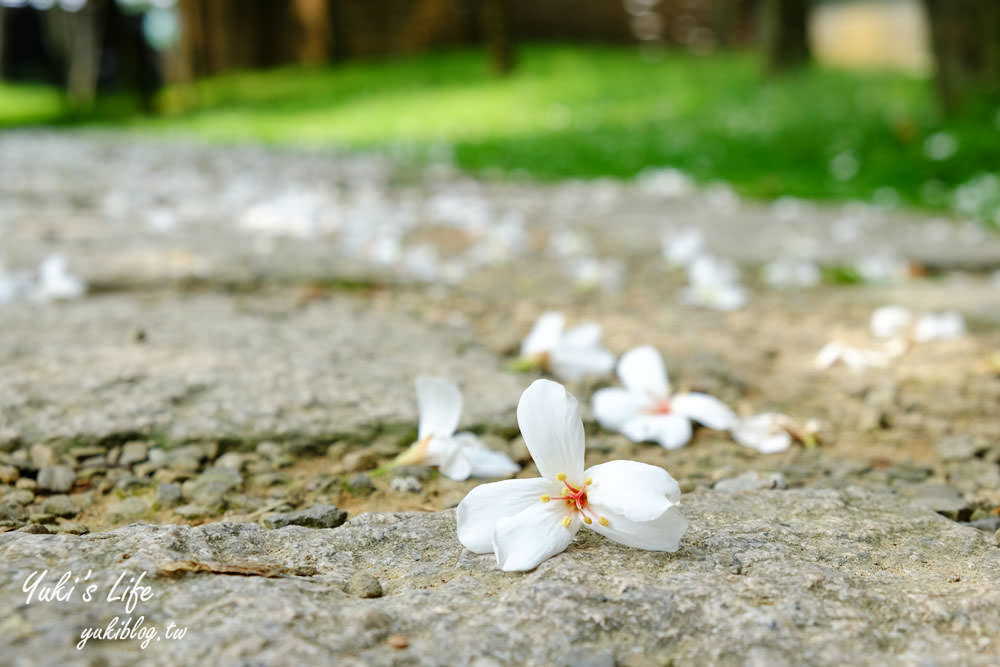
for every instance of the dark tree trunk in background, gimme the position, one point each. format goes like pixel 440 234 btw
pixel 785 33
pixel 1 41
pixel 76 39
pixel 965 37
pixel 495 21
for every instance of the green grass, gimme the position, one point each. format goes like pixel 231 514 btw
pixel 589 112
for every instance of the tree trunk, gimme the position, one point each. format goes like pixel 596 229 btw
pixel 76 39
pixel 965 38
pixel 495 21
pixel 1 41
pixel 785 33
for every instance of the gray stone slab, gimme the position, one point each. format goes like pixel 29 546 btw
pixel 214 367
pixel 762 578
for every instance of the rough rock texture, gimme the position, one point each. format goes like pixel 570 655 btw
pixel 215 367
pixel 763 578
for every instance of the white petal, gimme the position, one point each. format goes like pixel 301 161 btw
pixel 939 326
pixel 457 466
pixel 550 423
pixel 763 432
pixel 637 491
pixel 661 534
pixel 705 409
pixel 544 335
pixel 484 462
pixel 613 407
pixel 572 363
pixel 440 405
pixel 587 334
pixel 478 513
pixel 641 371
pixel 889 321
pixel 671 431
pixel 440 451
pixel 536 533
pixel 829 355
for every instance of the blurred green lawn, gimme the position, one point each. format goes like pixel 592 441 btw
pixel 588 112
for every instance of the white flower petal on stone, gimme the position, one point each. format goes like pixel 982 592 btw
pixel 571 355
pixel 440 404
pixel 613 406
pixel 483 461
pixel 56 282
pixel 637 491
pixel 682 248
pixel 704 409
pixel 661 534
pixel 544 335
pixel 549 418
pixel 939 326
pixel 764 432
pixel 890 321
pixel 572 363
pixel 670 431
pixel 484 506
pixel 641 371
pixel 531 536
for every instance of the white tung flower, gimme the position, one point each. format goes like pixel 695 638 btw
pixel 892 321
pixel 55 282
pixel 525 521
pixel 457 455
pixel 767 433
pixel 645 409
pixel 714 284
pixel 570 355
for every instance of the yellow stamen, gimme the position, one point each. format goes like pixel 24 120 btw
pixel 561 477
pixel 602 520
pixel 587 520
pixel 546 497
pixel 566 521
pixel 588 481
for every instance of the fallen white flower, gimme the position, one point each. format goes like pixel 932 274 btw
pixel 645 409
pixel 457 455
pixel 791 272
pixel 714 284
pixel 890 321
pixel 767 432
pixel 893 321
pixel 856 358
pixel 570 355
pixel 55 282
pixel 948 325
pixel 682 248
pixel 525 521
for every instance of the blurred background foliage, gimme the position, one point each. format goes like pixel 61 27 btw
pixel 885 100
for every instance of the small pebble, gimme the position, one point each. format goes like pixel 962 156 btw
pixel 133 452
pixel 59 505
pixel 364 585
pixel 167 494
pixel 406 485
pixel 361 484
pixel 397 641
pixel 8 474
pixel 58 479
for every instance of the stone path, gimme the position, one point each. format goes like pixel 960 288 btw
pixel 248 344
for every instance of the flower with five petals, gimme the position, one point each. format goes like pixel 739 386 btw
pixel 645 408
pixel 525 521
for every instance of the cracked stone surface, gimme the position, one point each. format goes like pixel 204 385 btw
pixel 214 366
pixel 762 578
